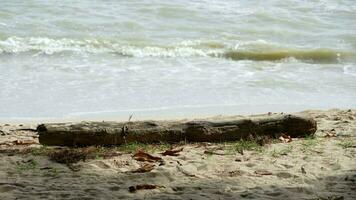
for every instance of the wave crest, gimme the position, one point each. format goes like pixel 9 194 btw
pixel 51 46
pixel 184 49
pixel 316 55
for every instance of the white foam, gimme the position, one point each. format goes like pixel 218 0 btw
pixel 50 46
pixel 350 70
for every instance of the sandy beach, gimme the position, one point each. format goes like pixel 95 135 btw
pixel 323 167
pixel 177 100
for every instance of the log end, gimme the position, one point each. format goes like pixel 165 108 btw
pixel 299 126
pixel 41 128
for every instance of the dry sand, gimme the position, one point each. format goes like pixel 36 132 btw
pixel 320 168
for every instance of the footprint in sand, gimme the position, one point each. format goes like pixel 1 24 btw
pixel 250 165
pixel 7 188
pixel 102 165
pixel 284 175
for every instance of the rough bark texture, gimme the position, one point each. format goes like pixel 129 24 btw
pixel 116 133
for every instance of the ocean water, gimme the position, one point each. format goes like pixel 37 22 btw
pixel 159 59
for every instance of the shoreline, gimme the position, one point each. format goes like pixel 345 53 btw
pixel 163 116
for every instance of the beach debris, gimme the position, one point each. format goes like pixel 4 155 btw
pixel 26 129
pixel 263 172
pixel 241 159
pixel 162 162
pixel 25 142
pixel 235 173
pixel 285 138
pixel 213 153
pixel 46 168
pixel 145 168
pixel 142 156
pixel 150 132
pixel 125 129
pixel 172 152
pixel 331 133
pixel 19 142
pixel 303 170
pixel 144 187
pixel 70 156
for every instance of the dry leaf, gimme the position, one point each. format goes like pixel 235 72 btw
pixel 263 172
pixel 172 152
pixel 145 168
pixel 330 134
pixel 142 156
pixel 144 187
pixel 235 173
pixel 213 153
pixel 285 138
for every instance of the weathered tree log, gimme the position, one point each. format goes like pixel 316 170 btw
pixel 116 133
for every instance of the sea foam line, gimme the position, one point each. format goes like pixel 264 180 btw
pixel 255 50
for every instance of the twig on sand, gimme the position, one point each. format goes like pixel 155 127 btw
pixel 125 129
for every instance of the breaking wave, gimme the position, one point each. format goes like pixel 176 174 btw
pixel 49 46
pixel 316 55
pixel 52 46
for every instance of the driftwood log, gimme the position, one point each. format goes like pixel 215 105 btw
pixel 116 133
